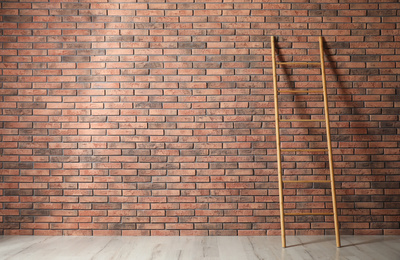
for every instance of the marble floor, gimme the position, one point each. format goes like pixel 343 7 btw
pixel 192 248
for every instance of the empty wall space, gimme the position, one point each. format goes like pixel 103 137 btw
pixel 156 118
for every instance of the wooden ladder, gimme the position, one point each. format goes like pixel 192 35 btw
pixel 322 91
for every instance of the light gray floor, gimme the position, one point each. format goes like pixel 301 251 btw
pixel 192 248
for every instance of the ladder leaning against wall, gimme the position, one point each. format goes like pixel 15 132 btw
pixel 279 151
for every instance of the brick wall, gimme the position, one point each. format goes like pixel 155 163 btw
pixel 156 118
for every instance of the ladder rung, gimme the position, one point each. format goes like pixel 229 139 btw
pixel 302 120
pixel 306 181
pixel 301 91
pixel 308 214
pixel 299 62
pixel 304 150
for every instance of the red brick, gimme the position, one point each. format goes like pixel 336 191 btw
pixel 188 116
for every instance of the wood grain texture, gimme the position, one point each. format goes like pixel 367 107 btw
pixel 197 247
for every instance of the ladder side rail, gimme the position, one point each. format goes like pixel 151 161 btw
pixel 329 141
pixel 278 144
